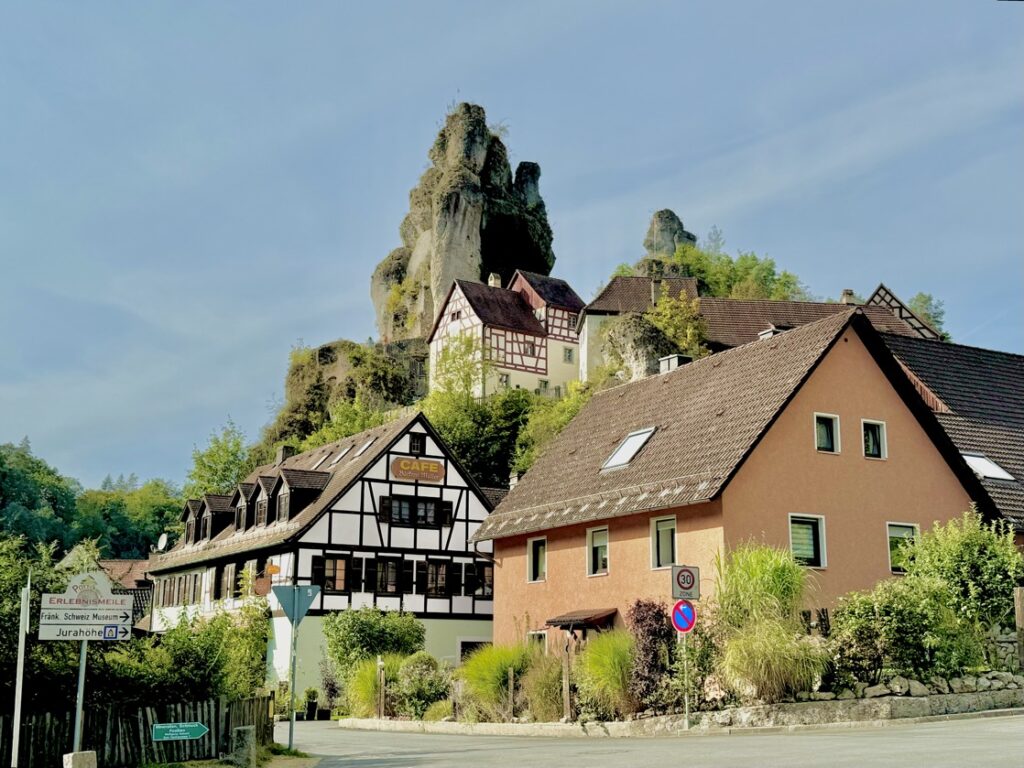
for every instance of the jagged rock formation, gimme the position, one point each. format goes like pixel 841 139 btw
pixel 664 235
pixel 467 218
pixel 633 346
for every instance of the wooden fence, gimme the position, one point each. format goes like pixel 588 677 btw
pixel 122 737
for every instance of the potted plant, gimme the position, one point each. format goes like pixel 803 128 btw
pixel 311 697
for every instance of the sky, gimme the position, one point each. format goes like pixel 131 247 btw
pixel 188 190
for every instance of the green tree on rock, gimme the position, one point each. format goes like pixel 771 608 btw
pixel 221 465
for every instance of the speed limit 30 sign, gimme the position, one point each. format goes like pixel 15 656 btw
pixel 685 582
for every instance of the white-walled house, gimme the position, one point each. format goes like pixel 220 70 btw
pixel 527 331
pixel 380 518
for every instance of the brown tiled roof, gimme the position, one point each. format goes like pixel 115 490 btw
pixel 305 479
pixel 495 495
pixel 230 542
pixel 633 294
pixel 267 482
pixel 732 322
pixel 553 290
pixel 191 506
pixel 129 574
pixel 707 414
pixel 242 492
pixel 501 308
pixel 983 392
pixel 216 502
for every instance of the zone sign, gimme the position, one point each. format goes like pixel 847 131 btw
pixel 685 582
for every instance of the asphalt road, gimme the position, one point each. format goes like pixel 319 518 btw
pixel 988 742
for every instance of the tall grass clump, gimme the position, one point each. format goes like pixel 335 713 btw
pixel 765 654
pixel 603 673
pixel 362 689
pixel 542 688
pixel 485 677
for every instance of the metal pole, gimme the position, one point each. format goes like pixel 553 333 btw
pixel 686 686
pixel 291 699
pixel 20 673
pixel 80 699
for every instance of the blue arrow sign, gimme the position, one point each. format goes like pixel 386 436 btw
pixel 178 731
pixel 295 600
pixel 684 616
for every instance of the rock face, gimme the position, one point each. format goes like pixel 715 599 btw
pixel 664 235
pixel 468 217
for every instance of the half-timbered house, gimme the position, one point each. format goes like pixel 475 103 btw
pixel 526 331
pixel 382 518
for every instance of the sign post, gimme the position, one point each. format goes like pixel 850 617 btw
pixel 87 610
pixel 19 675
pixel 295 601
pixel 684 617
pixel 179 731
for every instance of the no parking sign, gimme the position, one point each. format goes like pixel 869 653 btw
pixel 684 616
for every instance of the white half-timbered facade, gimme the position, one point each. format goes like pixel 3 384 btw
pixel 527 331
pixel 383 518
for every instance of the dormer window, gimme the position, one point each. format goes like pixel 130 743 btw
pixel 207 526
pixel 283 504
pixel 628 448
pixel 261 511
pixel 190 531
pixel 240 517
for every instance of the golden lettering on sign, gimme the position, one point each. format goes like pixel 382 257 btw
pixel 424 470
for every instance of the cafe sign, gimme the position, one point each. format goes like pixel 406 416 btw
pixel 412 468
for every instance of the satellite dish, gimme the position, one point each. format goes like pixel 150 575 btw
pixel 161 543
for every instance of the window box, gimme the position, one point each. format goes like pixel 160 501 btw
pixel 826 433
pixel 874 439
pixel 807 540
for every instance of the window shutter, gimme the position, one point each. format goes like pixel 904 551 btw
pixel 421 577
pixel 470 582
pixel 384 509
pixel 370 585
pixel 354 578
pixel 455 579
pixel 318 571
pixel 408 575
pixel 447 513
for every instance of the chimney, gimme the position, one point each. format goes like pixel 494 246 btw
pixel 494 280
pixel 513 479
pixel 655 289
pixel 284 452
pixel 671 362
pixel 847 296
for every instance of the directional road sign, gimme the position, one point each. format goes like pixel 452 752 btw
pixel 685 582
pixel 87 610
pixel 178 731
pixel 295 600
pixel 684 616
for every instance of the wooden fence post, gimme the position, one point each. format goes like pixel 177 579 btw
pixel 511 693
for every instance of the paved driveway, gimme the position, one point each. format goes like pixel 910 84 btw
pixel 984 742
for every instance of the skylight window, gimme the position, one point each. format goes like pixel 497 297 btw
pixel 340 456
pixel 366 445
pixel 628 448
pixel 983 466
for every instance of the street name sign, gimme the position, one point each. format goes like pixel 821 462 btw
pixel 86 610
pixel 684 616
pixel 179 731
pixel 685 582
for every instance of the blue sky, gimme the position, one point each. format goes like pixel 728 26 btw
pixel 188 190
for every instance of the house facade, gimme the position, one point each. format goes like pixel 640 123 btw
pixel 812 440
pixel 383 518
pixel 526 331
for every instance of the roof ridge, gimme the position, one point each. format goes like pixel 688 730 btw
pixel 952 344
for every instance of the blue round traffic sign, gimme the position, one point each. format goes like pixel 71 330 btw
pixel 684 616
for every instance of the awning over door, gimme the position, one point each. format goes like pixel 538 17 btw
pixel 591 619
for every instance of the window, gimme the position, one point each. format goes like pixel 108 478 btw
pixel 597 551
pixel 437 578
pixel 503 380
pixel 628 448
pixel 538 640
pixel 874 439
pixel 807 540
pixel 261 511
pixel 331 573
pixel 417 444
pixel 240 517
pixel 207 526
pixel 663 542
pixel 826 433
pixel 480 580
pixel 983 466
pixel 414 510
pixel 537 559
pixel 283 505
pixel 568 354
pixel 190 531
pixel 388 571
pixel 529 349
pixel 456 315
pixel 899 534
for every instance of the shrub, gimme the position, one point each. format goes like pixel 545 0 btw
pixel 903 626
pixel 768 659
pixel 439 710
pixel 421 682
pixel 362 689
pixel 603 671
pixel 979 562
pixel 703 651
pixel 365 633
pixel 329 683
pixel 485 674
pixel 542 688
pixel 654 637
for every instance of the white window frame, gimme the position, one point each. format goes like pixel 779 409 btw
pixel 888 550
pixel 529 560
pixel 836 433
pixel 648 431
pixel 979 466
pixel 654 542
pixel 607 547
pixel 822 538
pixel 885 439
pixel 538 633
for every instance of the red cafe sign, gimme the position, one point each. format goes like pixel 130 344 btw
pixel 424 470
